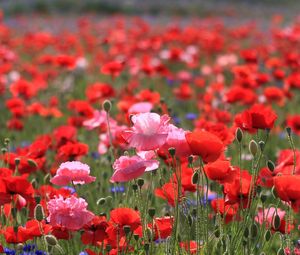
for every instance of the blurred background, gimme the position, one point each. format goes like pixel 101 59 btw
pixel 225 8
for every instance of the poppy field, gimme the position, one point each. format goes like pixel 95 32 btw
pixel 122 135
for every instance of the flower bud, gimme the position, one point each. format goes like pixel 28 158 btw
pixel 39 214
pixel 276 222
pixel 140 182
pixel 32 163
pixel 289 131
pixel 239 135
pixel 51 240
pixel 268 235
pixel 17 161
pixel 106 106
pixel 195 177
pixel 253 147
pixel 101 201
pixel 172 151
pixel 270 165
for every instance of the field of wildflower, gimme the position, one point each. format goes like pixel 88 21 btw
pixel 121 135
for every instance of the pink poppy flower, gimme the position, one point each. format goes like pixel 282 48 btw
pixel 149 131
pixel 70 213
pixel 141 107
pixel 176 139
pixel 128 168
pixel 72 171
pixel 99 119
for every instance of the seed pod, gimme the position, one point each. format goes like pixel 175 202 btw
pixel 270 165
pixel 276 221
pixel 140 182
pixel 239 135
pixel 263 198
pixel 3 150
pixel 134 187
pixel 108 248
pixel 258 189
pixel 253 147
pixel 268 235
pixel 17 161
pixel 172 151
pixel 136 237
pixel 126 229
pixel 106 105
pixel 51 240
pixel 195 177
pixel 288 130
pixel 6 141
pixel 261 145
pixel 39 214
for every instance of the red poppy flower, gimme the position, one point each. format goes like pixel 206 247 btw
pixel 205 144
pixel 257 117
pixel 229 211
pixel 95 232
pixel 220 170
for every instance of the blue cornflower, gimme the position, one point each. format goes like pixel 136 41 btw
pixel 191 116
pixel 71 189
pixel 95 155
pixel 117 189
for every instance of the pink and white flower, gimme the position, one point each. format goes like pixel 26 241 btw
pixel 72 171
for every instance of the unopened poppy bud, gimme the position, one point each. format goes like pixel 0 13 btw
pixel 239 135
pixel 34 183
pixel 140 182
pixel 17 161
pixel 103 214
pixel 136 237
pixel 190 220
pixel 271 165
pixel 253 148
pixel 51 240
pixel 126 229
pixel 289 131
pixel 267 235
pixel 47 178
pixel 263 198
pixel 135 187
pixel 151 212
pixel 106 105
pixel 3 150
pixel 172 151
pixel 276 221
pixel 261 145
pixel 6 141
pixel 258 189
pixel 101 201
pixel 32 163
pixel 39 214
pixel 195 177
pixel 254 230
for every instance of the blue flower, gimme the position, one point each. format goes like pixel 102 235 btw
pixel 95 155
pixel 83 253
pixel 117 189
pixel 191 116
pixel 176 120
